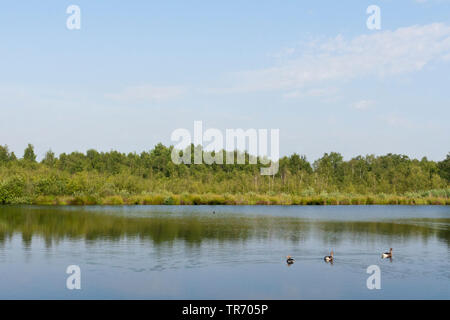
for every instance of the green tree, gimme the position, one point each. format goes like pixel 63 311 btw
pixel 444 168
pixel 29 154
pixel 49 159
pixel 4 154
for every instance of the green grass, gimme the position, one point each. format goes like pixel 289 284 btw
pixel 439 198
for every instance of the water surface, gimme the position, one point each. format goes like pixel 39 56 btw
pixel 238 252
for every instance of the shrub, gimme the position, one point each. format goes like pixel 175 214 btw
pixel 45 200
pixel 12 189
pixel 168 201
pixel 114 200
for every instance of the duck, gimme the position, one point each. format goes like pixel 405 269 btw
pixel 387 254
pixel 330 257
pixel 289 260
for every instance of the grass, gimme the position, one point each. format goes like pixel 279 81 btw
pixel 427 198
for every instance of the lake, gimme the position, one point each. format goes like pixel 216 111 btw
pixel 224 252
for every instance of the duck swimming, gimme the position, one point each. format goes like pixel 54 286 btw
pixel 329 258
pixel 387 254
pixel 289 260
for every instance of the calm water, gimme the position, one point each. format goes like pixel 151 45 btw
pixel 160 252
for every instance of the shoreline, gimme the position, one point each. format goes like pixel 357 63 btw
pixel 230 199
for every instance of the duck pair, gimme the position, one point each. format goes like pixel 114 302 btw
pixel 330 258
pixel 290 260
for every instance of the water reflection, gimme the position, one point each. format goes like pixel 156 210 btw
pixel 56 224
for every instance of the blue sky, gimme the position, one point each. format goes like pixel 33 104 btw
pixel 138 70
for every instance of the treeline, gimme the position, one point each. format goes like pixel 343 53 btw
pixel 100 175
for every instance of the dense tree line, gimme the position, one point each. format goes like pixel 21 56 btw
pixel 110 173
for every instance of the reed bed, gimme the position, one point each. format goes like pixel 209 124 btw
pixel 242 199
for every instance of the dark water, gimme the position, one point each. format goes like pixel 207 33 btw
pixel 160 252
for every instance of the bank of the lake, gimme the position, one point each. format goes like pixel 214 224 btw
pixel 241 199
pixel 151 177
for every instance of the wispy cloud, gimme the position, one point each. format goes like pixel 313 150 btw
pixel 312 92
pixel 386 53
pixel 147 93
pixel 434 1
pixel 396 120
pixel 283 53
pixel 363 104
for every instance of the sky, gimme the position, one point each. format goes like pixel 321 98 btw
pixel 136 71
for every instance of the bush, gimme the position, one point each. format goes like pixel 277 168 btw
pixel 114 200
pixel 50 186
pixel 12 189
pixel 45 200
pixel 169 201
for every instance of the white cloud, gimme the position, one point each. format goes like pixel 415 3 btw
pixel 313 92
pixel 147 93
pixel 396 120
pixel 381 54
pixel 285 52
pixel 433 1
pixel 363 104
